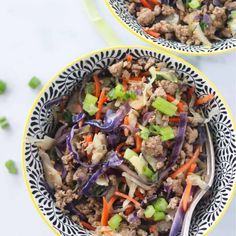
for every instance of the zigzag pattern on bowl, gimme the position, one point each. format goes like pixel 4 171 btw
pixel 121 10
pixel 221 127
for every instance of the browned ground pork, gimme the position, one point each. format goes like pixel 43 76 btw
pixel 193 22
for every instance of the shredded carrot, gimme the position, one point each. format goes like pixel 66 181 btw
pixel 129 210
pixel 129 58
pixel 119 147
pixel 101 101
pixel 125 84
pixel 126 122
pixel 174 119
pixel 139 195
pixel 188 187
pixel 153 228
pixel 155 2
pixel 146 4
pixel 180 104
pixel 107 232
pixel 97 85
pixel 105 213
pixel 138 143
pixel 186 166
pixel 204 99
pixel 87 225
pixel 135 78
pixel 123 195
pixel 88 138
pixel 152 33
pixel 190 92
pixel 146 73
pixel 110 203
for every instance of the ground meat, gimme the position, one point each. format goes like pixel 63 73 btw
pixel 136 68
pixel 146 17
pixel 151 192
pixel 126 75
pixel 141 232
pixel 152 147
pixel 157 10
pixel 69 178
pixel 176 185
pixel 63 197
pixel 126 230
pixel 167 10
pixel 116 69
pixel 188 149
pixel 182 33
pixel 160 164
pixel 151 61
pixel 161 65
pixel 226 32
pixel 191 135
pixel 132 8
pixel 173 204
pixel 164 226
pixel 163 27
pixel 169 86
pixel 130 140
pixel 68 161
pixel 219 17
pixel 81 175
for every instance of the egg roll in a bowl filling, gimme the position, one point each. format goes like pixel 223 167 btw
pixel 128 151
pixel 192 22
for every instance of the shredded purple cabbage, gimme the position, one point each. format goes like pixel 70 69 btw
pixel 146 117
pixel 74 211
pixel 55 102
pixel 112 121
pixel 78 117
pixel 113 161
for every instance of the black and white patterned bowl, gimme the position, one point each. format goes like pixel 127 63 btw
pixel 40 123
pixel 120 11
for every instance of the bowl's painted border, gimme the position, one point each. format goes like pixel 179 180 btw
pixel 88 55
pixel 161 46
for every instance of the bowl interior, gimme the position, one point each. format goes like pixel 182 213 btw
pixel 120 10
pixel 40 123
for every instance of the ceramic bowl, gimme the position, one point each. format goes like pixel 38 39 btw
pixel 120 11
pixel 40 123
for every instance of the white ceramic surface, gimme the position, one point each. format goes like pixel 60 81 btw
pixel 38 38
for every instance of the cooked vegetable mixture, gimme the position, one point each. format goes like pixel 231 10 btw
pixel 128 153
pixel 194 22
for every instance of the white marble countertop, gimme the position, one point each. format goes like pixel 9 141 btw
pixel 39 38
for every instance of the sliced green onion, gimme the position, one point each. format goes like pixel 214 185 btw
pixel 129 154
pixel 4 123
pixel 89 104
pixel 118 92
pixel 166 133
pixel 158 216
pixel 34 82
pixel 154 129
pixel 67 116
pixel 129 95
pixel 149 212
pixel 3 87
pixel 115 221
pixel 194 4
pixel 148 172
pixel 160 75
pixel 144 133
pixel 164 106
pixel 161 204
pixel 10 165
pixel 203 25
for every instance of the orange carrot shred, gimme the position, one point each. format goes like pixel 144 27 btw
pixel 125 84
pixel 153 228
pixel 180 104
pixel 139 195
pixel 174 119
pixel 119 147
pixel 101 101
pixel 129 210
pixel 188 187
pixel 110 203
pixel 97 85
pixel 105 213
pixel 186 166
pixel 204 99
pixel 146 4
pixel 129 58
pixel 138 143
pixel 123 195
pixel 152 33
pixel 87 225
pixel 155 2
pixel 190 92
pixel 88 138
pixel 126 122
pixel 135 78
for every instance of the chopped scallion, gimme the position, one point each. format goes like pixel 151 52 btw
pixel 3 87
pixel 158 216
pixel 34 82
pixel 4 123
pixel 164 106
pixel 149 212
pixel 144 133
pixel 148 172
pixel 166 133
pixel 89 104
pixel 161 204
pixel 115 221
pixel 10 165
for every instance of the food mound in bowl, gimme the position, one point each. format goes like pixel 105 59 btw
pixel 128 152
pixel 192 22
